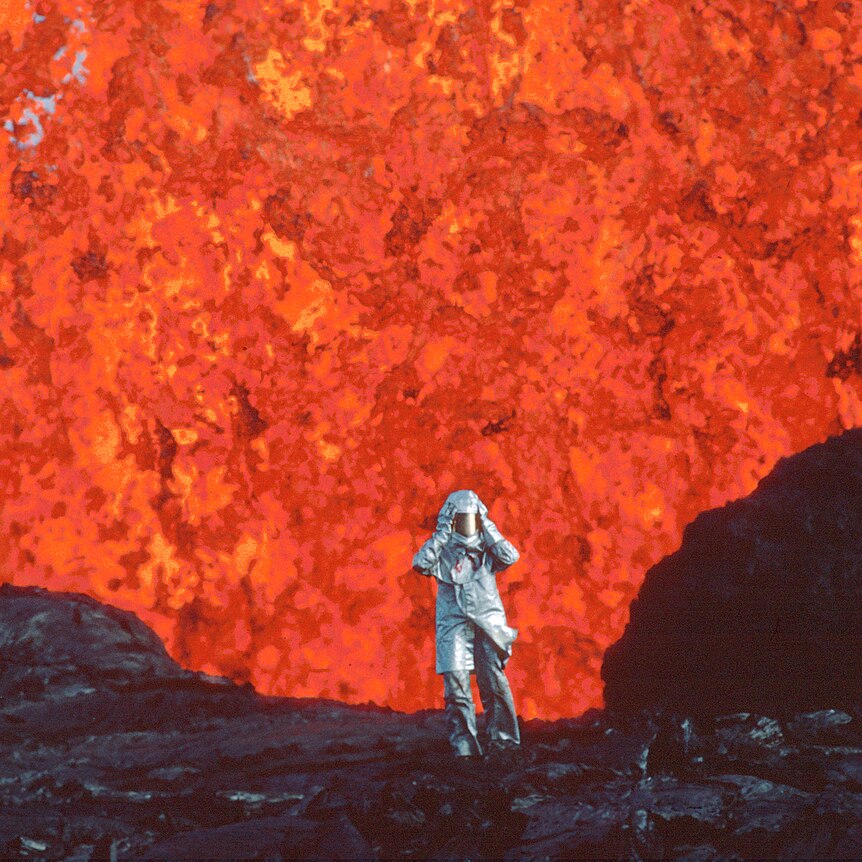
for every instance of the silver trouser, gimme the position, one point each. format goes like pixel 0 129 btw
pixel 502 722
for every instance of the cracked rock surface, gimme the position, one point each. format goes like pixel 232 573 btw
pixel 111 751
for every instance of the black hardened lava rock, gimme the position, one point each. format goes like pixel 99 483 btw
pixel 109 750
pixel 761 607
pixel 73 635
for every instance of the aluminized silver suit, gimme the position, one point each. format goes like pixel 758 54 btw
pixel 472 632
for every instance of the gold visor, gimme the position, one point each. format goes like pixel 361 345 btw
pixel 465 523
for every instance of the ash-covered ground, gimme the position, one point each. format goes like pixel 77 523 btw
pixel 111 751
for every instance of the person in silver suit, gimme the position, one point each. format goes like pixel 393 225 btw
pixel 472 635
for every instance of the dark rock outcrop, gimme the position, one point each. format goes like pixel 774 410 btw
pixel 760 609
pixel 43 641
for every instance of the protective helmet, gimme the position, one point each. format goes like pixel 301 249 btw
pixel 464 506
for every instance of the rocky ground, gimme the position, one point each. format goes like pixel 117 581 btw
pixel 111 751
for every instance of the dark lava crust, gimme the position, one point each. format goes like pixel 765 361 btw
pixel 109 750
pixel 760 609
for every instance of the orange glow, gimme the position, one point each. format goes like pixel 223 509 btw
pixel 276 278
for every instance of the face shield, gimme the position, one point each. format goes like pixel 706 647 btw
pixel 466 523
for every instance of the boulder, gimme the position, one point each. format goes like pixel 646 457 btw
pixel 48 637
pixel 760 609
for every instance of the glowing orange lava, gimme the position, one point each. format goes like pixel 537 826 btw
pixel 277 278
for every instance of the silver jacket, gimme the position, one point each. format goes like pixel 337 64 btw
pixel 465 570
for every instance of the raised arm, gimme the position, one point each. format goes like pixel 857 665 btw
pixel 502 552
pixel 426 561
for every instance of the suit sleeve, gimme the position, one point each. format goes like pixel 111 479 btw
pixel 427 559
pixel 501 551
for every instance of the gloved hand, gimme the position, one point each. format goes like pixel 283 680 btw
pixel 444 522
pixel 500 549
pixel 489 529
pixel 427 559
